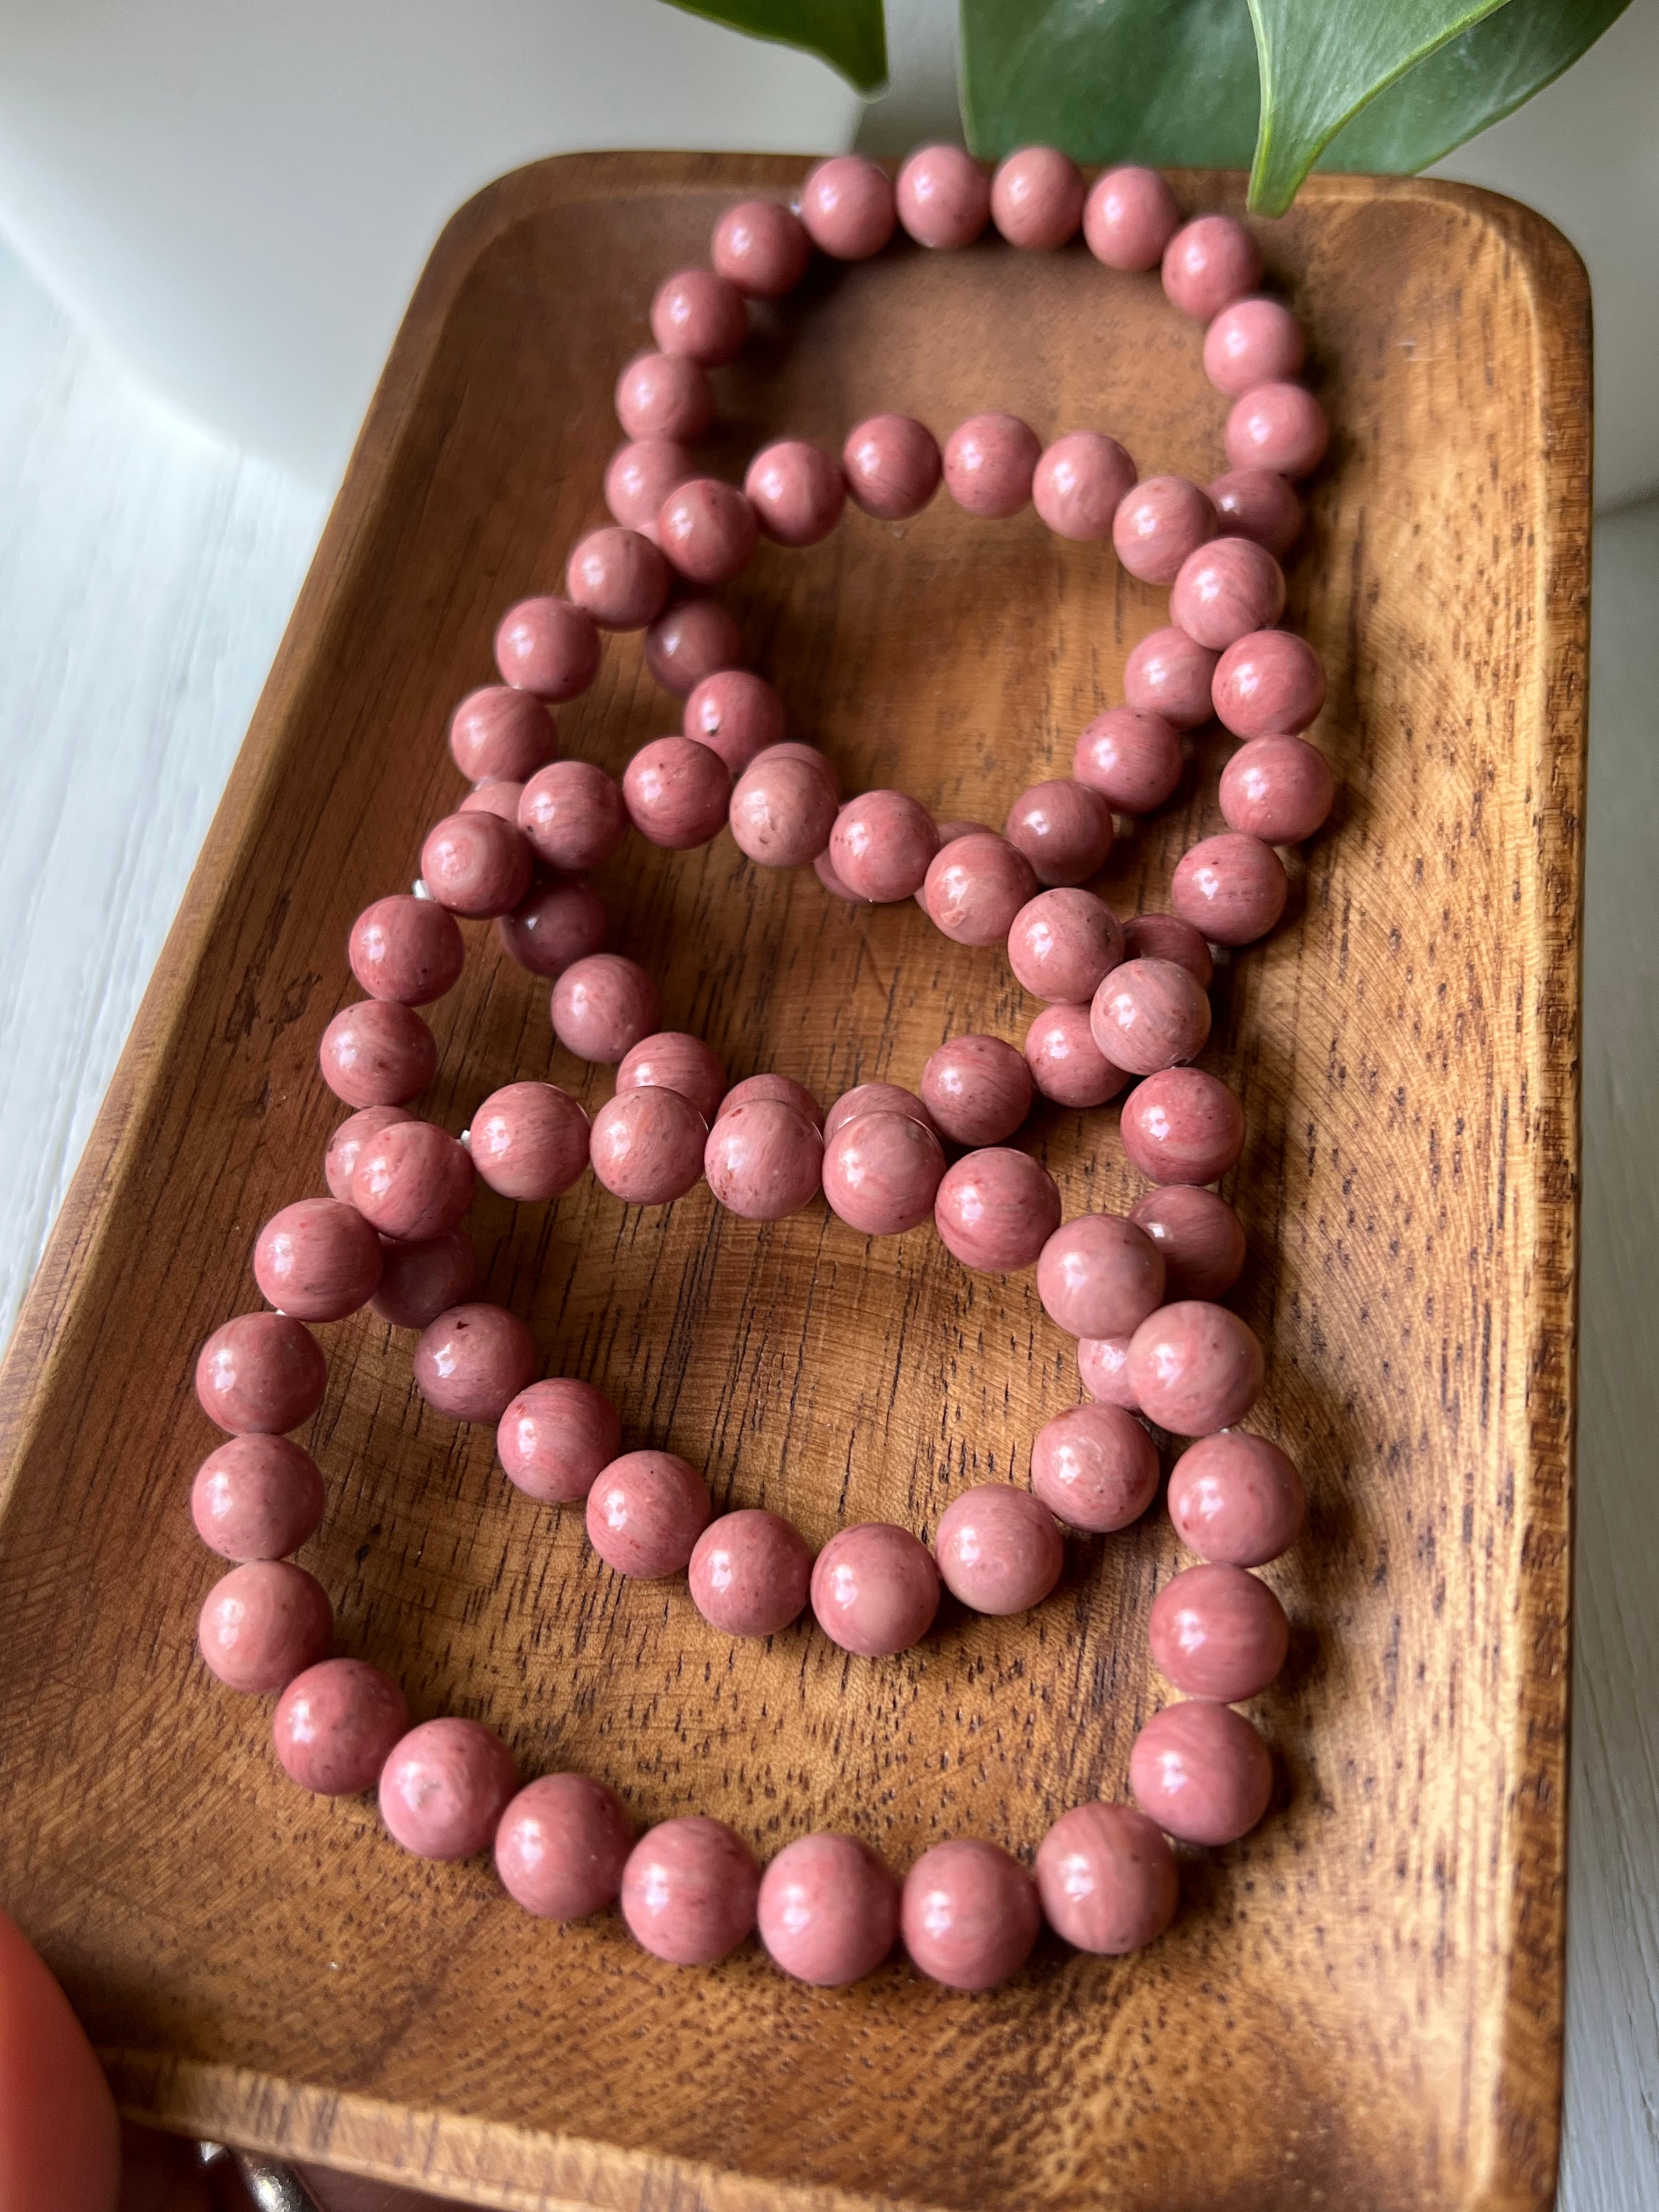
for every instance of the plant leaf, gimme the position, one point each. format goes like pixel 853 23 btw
pixel 849 35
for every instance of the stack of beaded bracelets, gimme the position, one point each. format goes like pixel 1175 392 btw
pixel 1124 1002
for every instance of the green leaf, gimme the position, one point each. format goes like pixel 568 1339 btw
pixel 849 35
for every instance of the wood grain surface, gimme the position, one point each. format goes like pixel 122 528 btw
pixel 1363 2000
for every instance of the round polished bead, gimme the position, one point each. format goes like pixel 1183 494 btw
pixel 558 921
pixel 1129 217
pixel 1269 683
pixel 1067 1065
pixel 1036 198
pixel 882 1172
pixel 824 869
pixel 1132 758
pixel 996 1210
pixel 978 1090
pixel 419 1281
pixel 750 1573
pixel 318 1259
pixel 1232 887
pixel 1236 1499
pixel 970 1914
pixel 892 466
pixel 620 577
pixel 639 475
pixel 1149 1015
pixel 990 462
pixel 664 395
pixel 529 1141
pixel 676 792
pixel 1170 674
pixel 476 864
pixel 944 197
pixel 1094 1467
pixel 646 1146
pixel 548 646
pixel 1100 1275
pixel 691 640
pixel 1253 341
pixel 875 1590
pixel 1208 264
pixel 701 315
pixel 1063 944
pixel 1102 1366
pixel 1201 1238
pixel 1167 937
pixel 1081 481
pixel 671 1060
pixel 256 1498
pixel 561 1846
pixel 645 1514
pixel 1218 1632
pixel 1279 789
pixel 260 1374
pixel 874 1099
pixel 975 886
pixel 1201 1772
pixel 829 1910
pixel 1160 522
pixel 472 1361
pixel 1226 589
pixel 1063 828
pixel 688 1892
pixel 762 248
pixel 1195 1368
pixel 1258 504
pixel 336 1725
pixel 778 1090
pixel 999 1550
pixel 1106 1879
pixel 763 1159
pixel 784 806
pixel 708 529
pixel 1280 427
pixel 847 207
pixel 736 715
pixel 412 1181
pixel 501 734
pixel 263 1624
pixel 602 1005
pixel 556 1438
pixel 501 799
pixel 881 846
pixel 1182 1126
pixel 949 832
pixel 444 1788
pixel 377 1053
pixel 796 491
pixel 340 1160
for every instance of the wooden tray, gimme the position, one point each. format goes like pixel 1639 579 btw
pixel 1359 2004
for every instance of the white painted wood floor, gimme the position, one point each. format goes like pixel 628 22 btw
pixel 145 576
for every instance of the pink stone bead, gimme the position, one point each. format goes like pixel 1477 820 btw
pixel 1201 1238
pixel 1232 888
pixel 1167 937
pixel 529 1141
pixel 1280 427
pixel 975 887
pixel 548 646
pixel 498 734
pixel 1106 1879
pixel 796 491
pixel 1279 789
pixel 990 463
pixel 559 920
pixel 1149 1015
pixel 1270 681
pixel 1067 1065
pixel 701 315
pixel 476 864
pixel 671 1060
pixel 784 806
pixel 263 1624
pixel 1195 1368
pixel 1063 944
pixel 1133 759
pixel 949 834
pixel 750 1573
pixel 573 816
pixel 763 1159
pixel 645 1514
pixel 1201 1772
pixel 1253 341
pixel 377 1053
pixel 620 577
pixel 1218 1632
pixel 1183 1127
pixel 256 1498
pixel 892 466
pixel 1036 198
pixel 688 1892
pixel 847 207
pixel 1169 675
pixel 1129 217
pixel 1162 520
pixel 977 1089
pixel 639 477
pixel 646 1146
pixel 1064 829
pixel 996 1210
pixel 472 1361
pixel 412 1181
pixel 444 1787
pixel 676 792
pixel 420 1281
pixel 881 845
pixel 882 1172
pixel 318 1260
pixel 1081 481
pixel 875 1590
pixel 1094 1467
pixel 736 715
pixel 556 1438
pixel 1208 264
pixel 406 949
pixel 1226 589
pixel 780 1090
pixel 1236 1499
pixel 692 639
pixel 340 1160
pixel 501 799
pixel 762 248
pixel 664 395
pixel 1100 1275
pixel 829 1909
pixel 969 1915
pixel 561 1845
pixel 335 1726
pixel 260 1374
pixel 708 530
pixel 1258 503
pixel 944 197
pixel 1102 1366
pixel 602 1005
pixel 997 1548
pixel 874 1099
